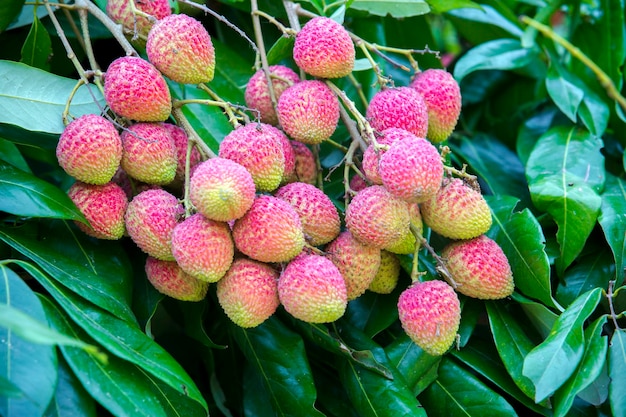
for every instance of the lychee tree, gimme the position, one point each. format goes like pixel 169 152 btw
pixel 425 216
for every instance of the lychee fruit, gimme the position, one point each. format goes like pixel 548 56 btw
pixel 90 149
pixel 221 189
pixel 150 220
pixel 358 263
pixel 411 169
pixel 480 268
pixel 457 211
pixel 409 244
pixel 312 289
pixel 401 107
pixel 203 248
pixel 258 147
pixel 257 94
pixel 270 231
pixel 181 48
pixel 442 95
pixel 149 153
pixel 323 48
pixel 120 12
pixel 103 206
pixel 430 314
pixel 135 89
pixel 388 274
pixel 290 159
pixel 169 279
pixel 248 293
pixel 371 156
pixel 305 164
pixel 308 111
pixel 319 216
pixel 181 142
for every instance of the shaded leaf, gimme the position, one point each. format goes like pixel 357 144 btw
pixel 9 10
pixel 373 313
pixel 487 15
pixel 541 317
pixel 281 50
pixel 70 398
pixel 37 49
pixel 593 111
pixel 613 221
pixel 446 6
pixel 394 8
pixel 9 153
pixel 617 370
pixel 592 270
pixel 418 368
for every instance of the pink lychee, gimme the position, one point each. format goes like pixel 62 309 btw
pixel 373 153
pixel 401 107
pixel 169 279
pixel 103 206
pixel 181 142
pixel 305 164
pixel 120 12
pixel 257 94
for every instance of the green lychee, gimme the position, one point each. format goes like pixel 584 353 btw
pixel 257 94
pixel 149 153
pixel 103 206
pixel 388 274
pixel 169 279
pixel 401 107
pixel 409 244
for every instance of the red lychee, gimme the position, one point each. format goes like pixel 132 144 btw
pixel 169 279
pixel 401 107
pixel 103 206
pixel 257 94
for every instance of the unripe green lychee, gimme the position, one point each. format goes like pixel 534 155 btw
pixel 305 166
pixel 90 149
pixel 480 268
pixel 388 274
pixel 409 244
pixel 312 289
pixel 169 279
pixel 103 206
pixel 221 189
pixel 203 248
pixel 401 107
pixel 181 141
pixel 371 156
pixel 430 314
pixel 258 147
pixel 120 12
pixel 257 94
pixel 248 293
pixel 149 153
pixel 319 216
pixel 150 220
pixel 411 169
pixel 358 263
pixel 323 48
pixel 181 48
pixel 442 95
pixel 308 111
pixel 457 211
pixel 377 218
pixel 270 231
pixel 135 89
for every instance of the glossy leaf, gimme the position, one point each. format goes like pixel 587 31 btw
pixel 617 370
pixel 593 111
pixel 613 222
pixel 10 154
pixel 418 368
pixel 565 94
pixel 394 8
pixel 487 15
pixel 592 270
pixel 70 398
pixel 442 7
pixel 9 10
pixel 613 37
pixel 37 49
pixel 373 313
pixel 551 363
pixel 541 317
pixel 280 50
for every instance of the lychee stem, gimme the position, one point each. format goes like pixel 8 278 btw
pixel 441 263
pixel 364 127
pixel 284 29
pixel 182 121
pixel 609 296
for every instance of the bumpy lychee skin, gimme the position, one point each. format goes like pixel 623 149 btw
pixel 480 268
pixel 169 279
pixel 221 189
pixel 372 155
pixel 324 49
pixel 305 166
pixel 290 159
pixel 203 248
pixel 149 153
pixel 308 111
pixel 181 141
pixel 377 218
pixel 358 263
pixel 103 206
pixel 270 231
pixel 357 183
pixel 430 314
pixel 457 211
pixel 409 244
pixel 312 289
pixel 181 48
pixel 150 220
pixel 401 107
pixel 319 216
pixel 258 147
pixel 442 95
pixel 135 89
pixel 90 149
pixel 120 12
pixel 388 274
pixel 248 293
pixel 257 94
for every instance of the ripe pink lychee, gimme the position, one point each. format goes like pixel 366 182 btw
pixel 181 142
pixel 181 48
pixel 270 231
pixel 290 159
pixel 120 12
pixel 258 147
pixel 135 89
pixel 409 244
pixel 312 289
pixel 305 164
pixel 257 94
pixel 150 220
pixel 442 95
pixel 169 279
pixel 371 156
pixel 357 183
pixel 103 206
pixel 308 111
pixel 430 314
pixel 480 268
pixel 248 293
pixel 457 211
pixel 90 149
pixel 388 274
pixel 401 107
pixel 149 153
pixel 323 48
pixel 411 169
pixel 203 248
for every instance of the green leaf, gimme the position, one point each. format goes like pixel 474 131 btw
pixel 373 313
pixel 281 50
pixel 30 367
pixel 37 49
pixel 617 370
pixel 418 368
pixel 613 39
pixel 485 14
pixel 565 94
pixel 394 8
pixel 592 270
pixel 567 186
pixel 552 362
pixel 593 111
pixel 21 98
pixel 541 317
pixel 9 153
pixel 9 10
pixel 446 6
pixel 70 398
pixel 613 222
pixel 9 389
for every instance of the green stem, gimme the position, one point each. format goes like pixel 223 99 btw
pixel 182 121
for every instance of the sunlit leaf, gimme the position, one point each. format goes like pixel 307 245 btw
pixel 565 94
pixel 394 8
